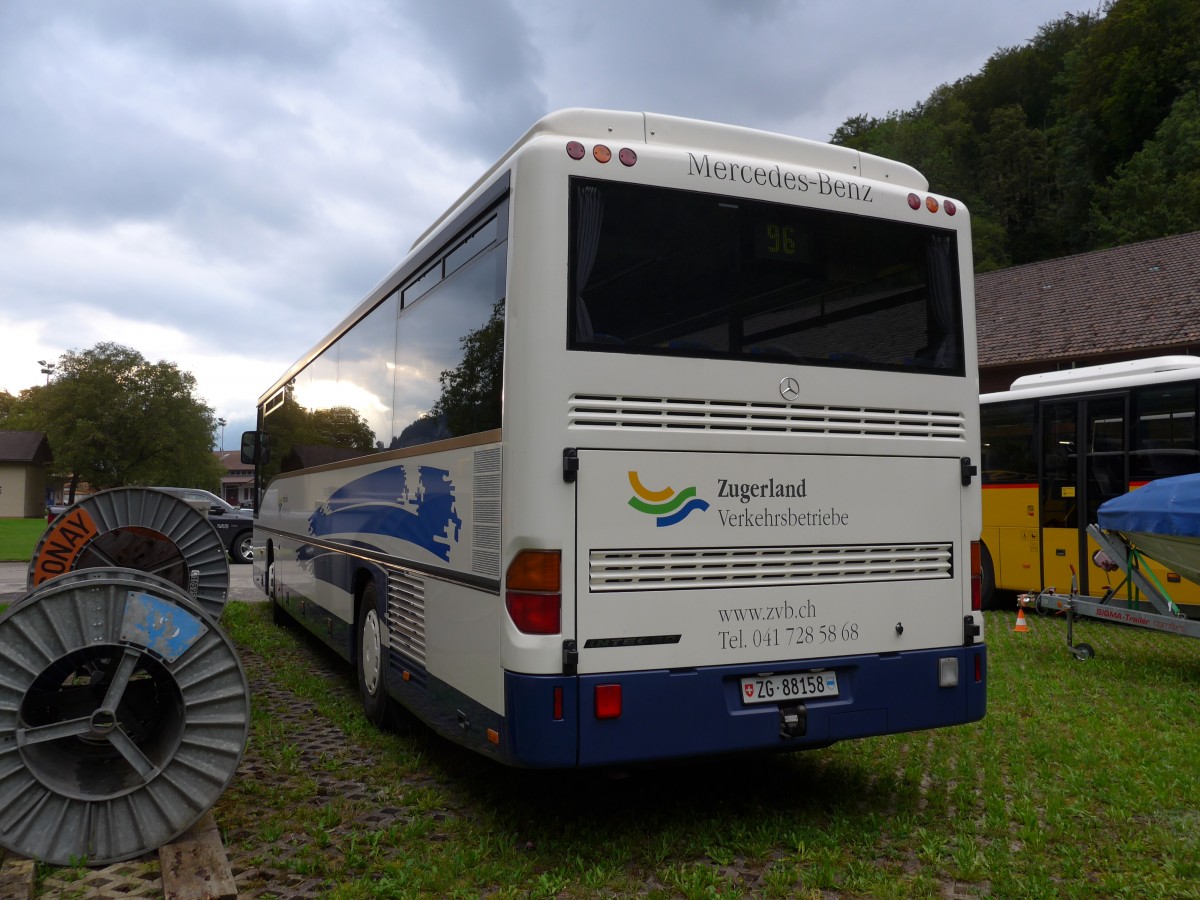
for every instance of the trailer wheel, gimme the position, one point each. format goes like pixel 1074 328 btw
pixel 1083 652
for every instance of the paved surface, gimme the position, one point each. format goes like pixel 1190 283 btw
pixel 13 579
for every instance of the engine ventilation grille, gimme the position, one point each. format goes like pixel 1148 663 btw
pixel 664 570
pixel 595 411
pixel 406 619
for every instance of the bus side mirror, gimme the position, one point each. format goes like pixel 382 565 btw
pixel 256 448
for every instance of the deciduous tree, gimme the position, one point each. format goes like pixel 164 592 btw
pixel 113 419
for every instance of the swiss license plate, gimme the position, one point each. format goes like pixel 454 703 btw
pixel 795 686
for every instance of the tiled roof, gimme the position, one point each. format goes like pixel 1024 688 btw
pixel 1143 296
pixel 24 447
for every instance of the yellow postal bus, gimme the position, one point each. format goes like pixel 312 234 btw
pixel 1057 445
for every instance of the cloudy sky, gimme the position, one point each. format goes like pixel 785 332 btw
pixel 217 183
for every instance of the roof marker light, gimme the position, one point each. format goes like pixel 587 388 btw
pixel 914 201
pixel 931 204
pixel 627 157
pixel 575 150
pixel 950 208
pixel 602 153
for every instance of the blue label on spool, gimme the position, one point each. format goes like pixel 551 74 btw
pixel 160 626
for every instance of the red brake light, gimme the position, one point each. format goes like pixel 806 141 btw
pixel 535 613
pixel 608 701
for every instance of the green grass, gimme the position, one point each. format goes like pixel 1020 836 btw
pixel 1083 780
pixel 18 537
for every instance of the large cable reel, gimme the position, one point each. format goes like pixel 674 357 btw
pixel 136 528
pixel 124 713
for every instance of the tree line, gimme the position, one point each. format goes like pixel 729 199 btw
pixel 113 418
pixel 1086 137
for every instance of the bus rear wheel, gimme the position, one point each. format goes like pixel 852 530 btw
pixel 380 709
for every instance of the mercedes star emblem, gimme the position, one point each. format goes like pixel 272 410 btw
pixel 789 388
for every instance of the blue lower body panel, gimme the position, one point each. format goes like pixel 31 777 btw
pixel 670 714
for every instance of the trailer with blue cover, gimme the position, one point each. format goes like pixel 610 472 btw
pixel 1160 521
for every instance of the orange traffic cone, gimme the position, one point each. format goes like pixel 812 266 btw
pixel 1021 626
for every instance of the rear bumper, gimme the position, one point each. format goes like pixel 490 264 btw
pixel 668 714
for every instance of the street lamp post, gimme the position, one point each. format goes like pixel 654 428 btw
pixel 47 368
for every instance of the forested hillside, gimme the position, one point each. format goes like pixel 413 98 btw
pixel 1086 137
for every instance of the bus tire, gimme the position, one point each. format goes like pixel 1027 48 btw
pixel 278 616
pixel 378 707
pixel 987 580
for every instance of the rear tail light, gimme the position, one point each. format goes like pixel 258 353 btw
pixel 976 577
pixel 533 591
pixel 608 701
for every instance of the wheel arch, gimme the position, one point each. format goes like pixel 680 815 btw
pixel 987 571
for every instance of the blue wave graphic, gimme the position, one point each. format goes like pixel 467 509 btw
pixel 680 514
pixel 381 504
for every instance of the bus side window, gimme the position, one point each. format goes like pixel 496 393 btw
pixel 1164 432
pixel 1008 445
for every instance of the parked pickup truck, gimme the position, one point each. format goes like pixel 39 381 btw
pixel 233 525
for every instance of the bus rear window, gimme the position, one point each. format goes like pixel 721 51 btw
pixel 679 273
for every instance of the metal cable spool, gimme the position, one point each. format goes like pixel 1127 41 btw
pixel 124 713
pixel 136 528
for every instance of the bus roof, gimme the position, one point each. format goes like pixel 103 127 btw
pixel 613 126
pixel 655 128
pixel 1087 378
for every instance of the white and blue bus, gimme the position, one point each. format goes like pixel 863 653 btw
pixel 660 443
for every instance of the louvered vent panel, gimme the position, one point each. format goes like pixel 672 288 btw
pixel 485 544
pixel 664 570
pixel 594 411
pixel 406 616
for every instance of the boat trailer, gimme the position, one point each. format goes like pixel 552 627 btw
pixel 1164 617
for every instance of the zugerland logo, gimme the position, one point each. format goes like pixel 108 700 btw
pixel 667 506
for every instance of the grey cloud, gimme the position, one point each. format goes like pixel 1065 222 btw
pixel 286 152
pixel 262 33
pixel 483 49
